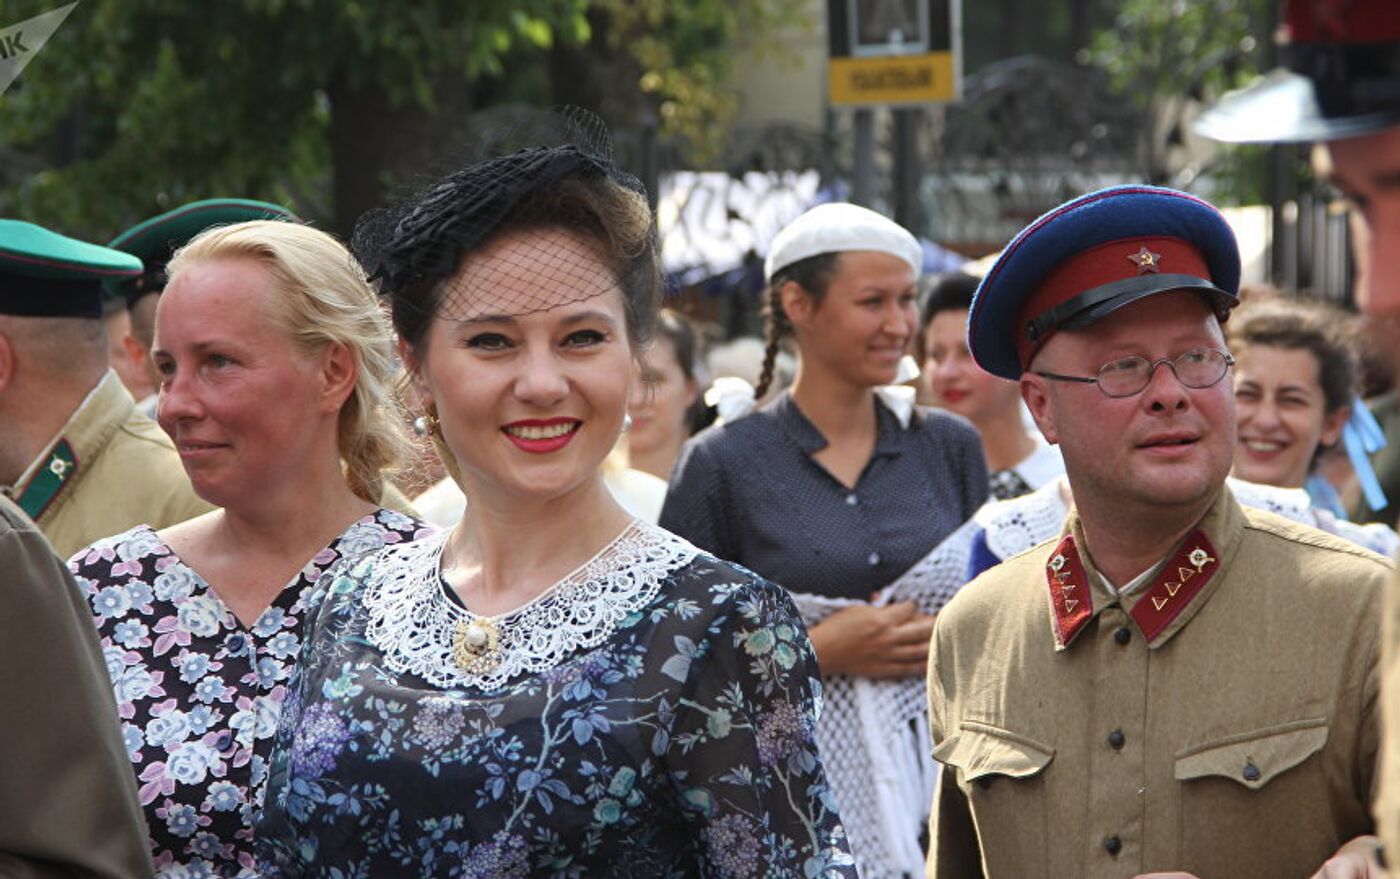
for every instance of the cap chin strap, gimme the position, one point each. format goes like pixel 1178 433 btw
pixel 1087 306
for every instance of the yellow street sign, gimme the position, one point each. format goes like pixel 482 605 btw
pixel 894 79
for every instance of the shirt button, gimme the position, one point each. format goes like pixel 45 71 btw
pixel 1115 740
pixel 1123 635
pixel 851 500
pixel 874 559
pixel 224 741
pixel 1251 772
pixel 236 643
pixel 1113 845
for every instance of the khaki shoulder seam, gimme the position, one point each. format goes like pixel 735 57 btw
pixel 1044 544
pixel 150 433
pixel 1284 529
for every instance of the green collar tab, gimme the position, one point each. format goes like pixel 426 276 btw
pixel 46 485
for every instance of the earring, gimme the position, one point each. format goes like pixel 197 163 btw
pixel 425 424
pixel 626 422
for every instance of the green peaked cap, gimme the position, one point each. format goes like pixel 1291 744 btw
pixel 45 274
pixel 156 240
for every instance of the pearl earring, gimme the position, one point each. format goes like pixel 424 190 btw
pixel 425 424
pixel 626 422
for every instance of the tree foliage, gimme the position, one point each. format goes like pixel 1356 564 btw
pixel 684 53
pixel 1172 57
pixel 135 106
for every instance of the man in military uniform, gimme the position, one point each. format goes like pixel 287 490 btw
pixel 1341 88
pixel 68 805
pixel 1175 683
pixel 75 455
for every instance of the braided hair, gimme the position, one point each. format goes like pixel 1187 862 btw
pixel 813 275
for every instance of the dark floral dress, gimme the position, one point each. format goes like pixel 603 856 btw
pixel 198 692
pixel 651 715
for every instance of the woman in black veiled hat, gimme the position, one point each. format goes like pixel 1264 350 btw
pixel 551 687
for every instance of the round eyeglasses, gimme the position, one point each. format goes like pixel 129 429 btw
pixel 1197 368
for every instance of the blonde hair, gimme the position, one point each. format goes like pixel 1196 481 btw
pixel 324 299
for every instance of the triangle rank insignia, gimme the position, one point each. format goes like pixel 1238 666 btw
pixel 1180 579
pixel 1071 601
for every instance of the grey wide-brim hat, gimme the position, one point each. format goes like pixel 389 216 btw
pixel 1283 107
pixel 1340 78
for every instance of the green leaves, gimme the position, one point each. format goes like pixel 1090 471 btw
pixel 137 106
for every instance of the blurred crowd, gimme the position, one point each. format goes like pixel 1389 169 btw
pixel 457 549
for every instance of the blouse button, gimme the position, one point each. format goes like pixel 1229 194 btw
pixel 224 741
pixel 235 643
pixel 851 500
pixel 874 559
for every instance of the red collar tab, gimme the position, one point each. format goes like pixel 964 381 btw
pixel 1181 578
pixel 1071 600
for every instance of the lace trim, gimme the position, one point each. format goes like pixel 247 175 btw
pixel 1014 526
pixel 1291 503
pixel 412 621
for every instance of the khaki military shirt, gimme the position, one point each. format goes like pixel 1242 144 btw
pixel 68 804
pixel 110 469
pixel 1388 803
pixel 1220 720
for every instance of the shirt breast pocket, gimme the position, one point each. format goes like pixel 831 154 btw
pixel 1230 784
pixel 1002 774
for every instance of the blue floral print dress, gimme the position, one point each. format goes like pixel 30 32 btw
pixel 198 692
pixel 651 715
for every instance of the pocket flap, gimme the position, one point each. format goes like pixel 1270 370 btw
pixel 979 750
pixel 1254 758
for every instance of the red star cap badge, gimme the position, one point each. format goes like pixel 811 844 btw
pixel 1146 260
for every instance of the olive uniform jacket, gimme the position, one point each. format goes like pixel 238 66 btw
pixel 68 804
pixel 1388 803
pixel 1221 720
pixel 111 469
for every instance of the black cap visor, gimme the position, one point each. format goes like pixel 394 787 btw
pixel 1092 305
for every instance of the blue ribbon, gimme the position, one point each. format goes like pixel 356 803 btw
pixel 1362 437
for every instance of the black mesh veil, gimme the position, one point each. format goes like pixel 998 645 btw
pixel 421 241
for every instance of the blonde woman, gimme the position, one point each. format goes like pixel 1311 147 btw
pixel 275 367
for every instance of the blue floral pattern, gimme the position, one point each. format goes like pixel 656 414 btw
pixel 680 746
pixel 198 692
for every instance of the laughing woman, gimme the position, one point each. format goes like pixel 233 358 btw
pixel 551 687
pixel 1295 381
pixel 276 370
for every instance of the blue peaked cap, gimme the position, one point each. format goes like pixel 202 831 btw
pixel 1108 215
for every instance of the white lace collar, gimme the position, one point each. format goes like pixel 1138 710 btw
pixel 414 623
pixel 1014 526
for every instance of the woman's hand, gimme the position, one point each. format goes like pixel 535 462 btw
pixel 1355 860
pixel 874 642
